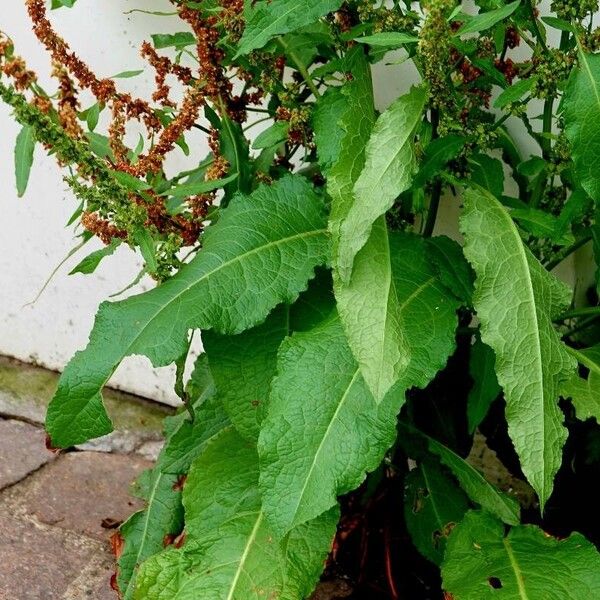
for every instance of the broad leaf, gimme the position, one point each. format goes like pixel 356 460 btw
pixel 230 551
pixel 516 300
pixel 399 318
pixel 266 19
pixel 323 431
pixel 389 167
pixel 433 505
pixel 24 148
pixel 272 136
pixel 471 480
pixel 437 153
pixel 581 112
pixel 482 563
pixel 485 384
pixel 585 392
pixel 487 172
pixel 144 532
pixel 261 252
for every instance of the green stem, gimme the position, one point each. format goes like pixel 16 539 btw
pixel 436 193
pixel 579 312
pixel 301 68
pixel 567 252
pixel 536 30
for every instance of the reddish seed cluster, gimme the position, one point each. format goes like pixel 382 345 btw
pixel 508 68
pixel 18 71
pixel 68 103
pixel 101 228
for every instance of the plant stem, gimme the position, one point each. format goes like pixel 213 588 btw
pixel 434 200
pixel 579 312
pixel 567 252
pixel 301 68
pixel 536 30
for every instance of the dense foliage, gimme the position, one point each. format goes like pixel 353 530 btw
pixel 353 356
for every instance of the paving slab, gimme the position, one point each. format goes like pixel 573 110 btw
pixel 82 490
pixel 22 451
pixel 39 563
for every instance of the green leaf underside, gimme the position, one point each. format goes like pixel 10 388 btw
pixel 390 163
pixel 585 392
pixel 24 148
pixel 323 431
pixel 526 564
pixel 433 504
pixel 485 384
pixel 472 481
pixel 399 319
pixel 393 39
pixel 266 19
pixel 581 112
pixel 227 287
pixel 516 299
pixel 230 551
pixel 353 114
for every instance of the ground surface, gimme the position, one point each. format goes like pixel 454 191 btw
pixel 56 511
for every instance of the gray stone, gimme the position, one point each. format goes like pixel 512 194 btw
pixel 150 450
pixel 82 490
pixel 22 451
pixel 37 563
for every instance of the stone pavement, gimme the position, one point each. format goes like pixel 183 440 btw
pixel 57 512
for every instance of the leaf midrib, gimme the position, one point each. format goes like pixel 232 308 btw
pixel 531 303
pixel 324 437
pixel 516 569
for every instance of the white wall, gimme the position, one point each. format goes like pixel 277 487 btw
pixel 33 238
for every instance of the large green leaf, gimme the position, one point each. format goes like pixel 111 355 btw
pixel 585 392
pixel 266 19
pixel 145 531
pixel 230 551
pixel 389 167
pixel 400 320
pixel 323 431
pixel 24 147
pixel 433 504
pixel 516 300
pixel 261 252
pixel 471 480
pixel 581 111
pixel 483 563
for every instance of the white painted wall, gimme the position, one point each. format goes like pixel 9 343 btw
pixel 33 238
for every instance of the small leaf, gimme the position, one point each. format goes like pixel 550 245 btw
pixel 485 384
pixel 516 300
pixel 130 182
pixel 488 19
pixel 488 173
pixel 24 148
pixel 514 92
pixel 389 167
pixel 266 19
pixel 471 480
pixel 272 136
pixel 127 74
pixel 437 154
pixel 90 263
pixel 393 39
pixel 198 187
pixel 177 40
pixel 145 242
pixel 483 563
pixel 433 505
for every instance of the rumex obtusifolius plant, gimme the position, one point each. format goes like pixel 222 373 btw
pixel 353 355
